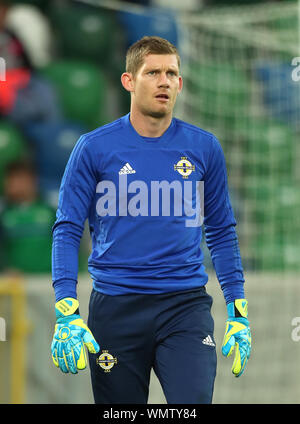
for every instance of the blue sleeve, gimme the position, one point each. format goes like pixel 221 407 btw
pixel 76 194
pixel 219 226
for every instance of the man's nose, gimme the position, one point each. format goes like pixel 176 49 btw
pixel 163 80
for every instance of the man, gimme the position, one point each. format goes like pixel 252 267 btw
pixel 25 222
pixel 138 180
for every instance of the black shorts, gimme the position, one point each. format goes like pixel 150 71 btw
pixel 171 333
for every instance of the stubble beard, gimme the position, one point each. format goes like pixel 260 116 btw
pixel 157 114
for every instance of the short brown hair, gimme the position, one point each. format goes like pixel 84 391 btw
pixel 148 45
pixel 20 166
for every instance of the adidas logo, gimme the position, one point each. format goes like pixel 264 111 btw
pixel 208 341
pixel 127 169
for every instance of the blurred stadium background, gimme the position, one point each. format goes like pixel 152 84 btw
pixel 63 65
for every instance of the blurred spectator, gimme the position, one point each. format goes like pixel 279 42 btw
pixel 24 95
pixel 13 146
pixel 25 222
pixel 31 101
pixel 31 26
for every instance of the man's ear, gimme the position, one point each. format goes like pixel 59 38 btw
pixel 180 84
pixel 127 81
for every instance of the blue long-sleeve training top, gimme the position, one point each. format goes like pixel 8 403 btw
pixel 145 200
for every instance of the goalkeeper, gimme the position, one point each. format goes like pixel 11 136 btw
pixel 137 181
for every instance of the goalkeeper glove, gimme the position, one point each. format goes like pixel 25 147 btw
pixel 70 336
pixel 238 335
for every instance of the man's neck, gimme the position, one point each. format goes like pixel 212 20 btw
pixel 147 126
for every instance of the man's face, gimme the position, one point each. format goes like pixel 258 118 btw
pixel 20 187
pixel 156 85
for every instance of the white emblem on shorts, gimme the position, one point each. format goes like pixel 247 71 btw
pixel 208 341
pixel 106 361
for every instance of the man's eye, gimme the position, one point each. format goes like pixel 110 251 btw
pixel 151 72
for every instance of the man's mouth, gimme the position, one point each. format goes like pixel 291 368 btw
pixel 162 96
